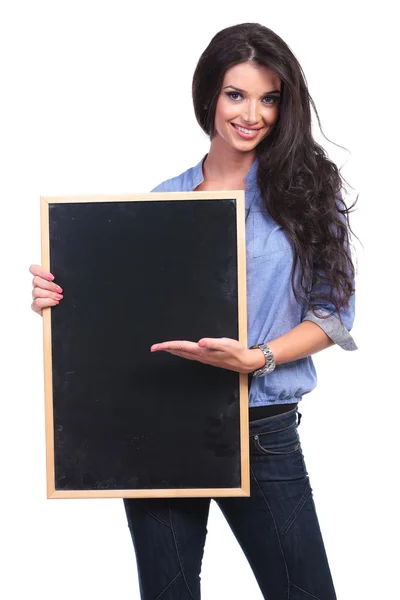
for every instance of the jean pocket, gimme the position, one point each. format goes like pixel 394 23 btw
pixel 267 444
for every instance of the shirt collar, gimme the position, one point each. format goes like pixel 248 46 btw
pixel 198 177
pixel 197 174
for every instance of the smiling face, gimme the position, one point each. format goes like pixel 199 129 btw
pixel 247 107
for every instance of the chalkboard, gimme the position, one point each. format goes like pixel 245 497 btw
pixel 136 270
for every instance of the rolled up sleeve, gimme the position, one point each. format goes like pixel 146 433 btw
pixel 340 334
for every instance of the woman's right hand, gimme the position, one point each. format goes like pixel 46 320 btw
pixel 45 292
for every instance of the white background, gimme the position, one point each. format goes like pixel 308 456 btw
pixel 96 98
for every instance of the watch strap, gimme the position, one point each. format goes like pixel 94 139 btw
pixel 269 360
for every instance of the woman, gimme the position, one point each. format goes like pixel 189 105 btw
pixel 251 98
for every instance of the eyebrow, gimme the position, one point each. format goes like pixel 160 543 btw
pixel 244 91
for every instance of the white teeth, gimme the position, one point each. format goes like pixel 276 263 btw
pixel 248 131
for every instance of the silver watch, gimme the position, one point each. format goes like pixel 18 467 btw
pixel 269 360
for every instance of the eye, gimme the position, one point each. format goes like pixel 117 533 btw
pixel 233 95
pixel 271 99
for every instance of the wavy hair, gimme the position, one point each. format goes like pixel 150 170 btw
pixel 300 186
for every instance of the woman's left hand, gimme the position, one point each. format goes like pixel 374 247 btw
pixel 218 352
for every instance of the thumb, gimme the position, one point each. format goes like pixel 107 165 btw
pixel 211 344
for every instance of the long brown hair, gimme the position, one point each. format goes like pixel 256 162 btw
pixel 300 186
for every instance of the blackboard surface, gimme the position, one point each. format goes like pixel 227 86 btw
pixel 135 273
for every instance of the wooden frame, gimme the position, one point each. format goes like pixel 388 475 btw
pixel 244 489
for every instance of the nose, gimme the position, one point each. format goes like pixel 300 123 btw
pixel 250 114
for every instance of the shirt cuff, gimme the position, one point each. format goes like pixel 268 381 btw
pixel 334 329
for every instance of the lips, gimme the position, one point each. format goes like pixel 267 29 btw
pixel 248 128
pixel 247 133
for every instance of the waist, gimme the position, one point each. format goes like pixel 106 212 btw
pixel 288 383
pixel 268 410
pixel 261 412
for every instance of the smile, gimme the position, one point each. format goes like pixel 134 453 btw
pixel 244 132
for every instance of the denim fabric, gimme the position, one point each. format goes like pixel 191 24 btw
pixel 272 309
pixel 277 526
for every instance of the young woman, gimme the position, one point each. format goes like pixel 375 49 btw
pixel 251 98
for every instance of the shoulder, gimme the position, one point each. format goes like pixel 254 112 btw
pixel 184 182
pixel 175 184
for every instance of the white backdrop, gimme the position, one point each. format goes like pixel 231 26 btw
pixel 96 98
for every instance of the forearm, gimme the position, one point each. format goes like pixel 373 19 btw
pixel 303 340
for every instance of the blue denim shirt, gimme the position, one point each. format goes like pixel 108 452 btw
pixel 272 309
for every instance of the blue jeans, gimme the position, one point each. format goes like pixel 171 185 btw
pixel 277 526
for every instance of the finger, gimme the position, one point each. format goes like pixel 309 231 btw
pixel 202 358
pixel 37 311
pixel 179 345
pixel 39 282
pixel 213 343
pixel 40 293
pixel 39 303
pixel 38 270
pixel 206 359
pixel 183 354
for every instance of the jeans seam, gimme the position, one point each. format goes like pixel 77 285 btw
pixel 274 430
pixel 304 592
pixel 276 530
pixel 297 511
pixel 169 585
pixel 155 516
pixel 177 551
pixel 263 450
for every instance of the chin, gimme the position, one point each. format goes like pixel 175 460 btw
pixel 245 146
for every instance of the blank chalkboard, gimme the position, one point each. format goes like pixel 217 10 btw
pixel 136 270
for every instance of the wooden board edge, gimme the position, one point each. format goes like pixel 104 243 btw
pixel 156 493
pixel 47 354
pixel 242 318
pixel 154 196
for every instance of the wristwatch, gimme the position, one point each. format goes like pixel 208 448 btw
pixel 269 360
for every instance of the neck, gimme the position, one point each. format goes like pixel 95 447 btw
pixel 225 163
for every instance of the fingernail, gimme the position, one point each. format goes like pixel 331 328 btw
pixel 59 289
pixel 59 297
pixel 51 277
